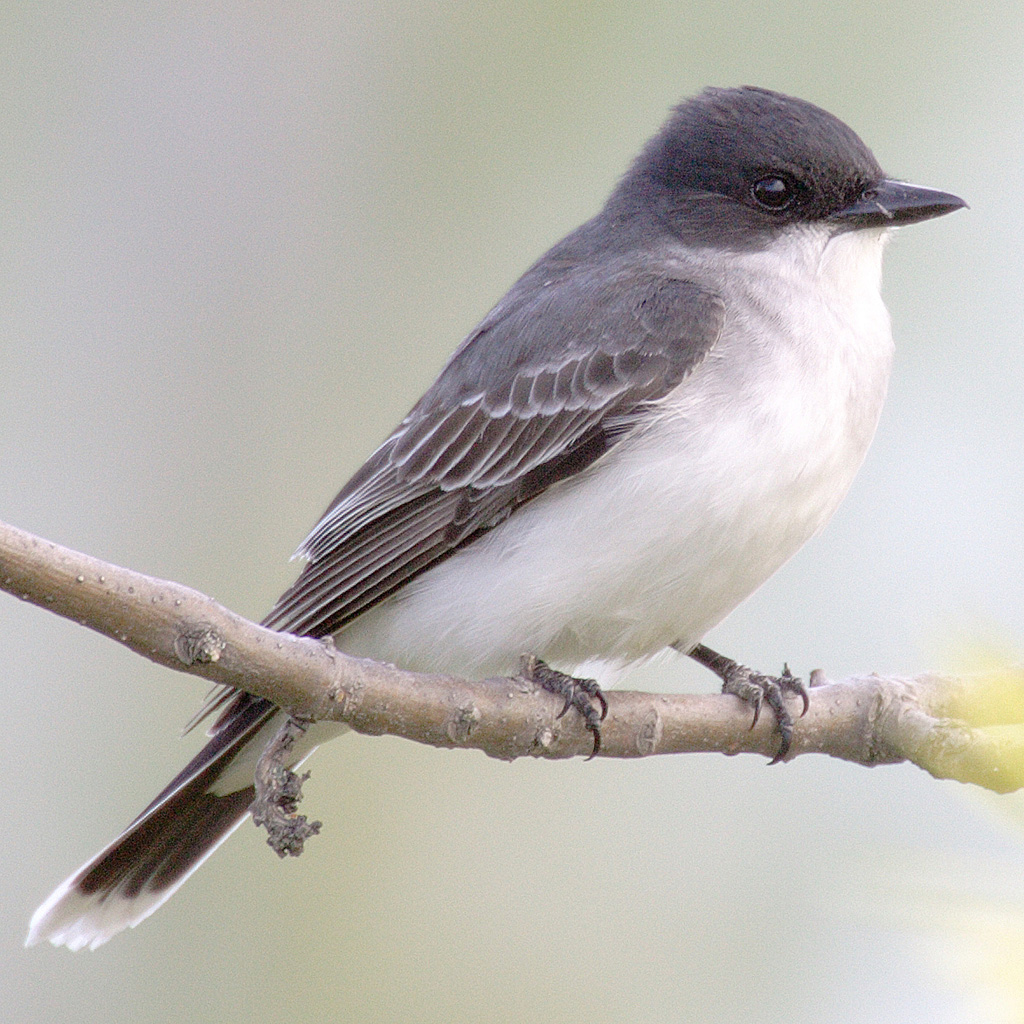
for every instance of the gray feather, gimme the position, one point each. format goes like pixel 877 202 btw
pixel 563 368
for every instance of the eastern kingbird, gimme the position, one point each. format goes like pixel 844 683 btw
pixel 657 415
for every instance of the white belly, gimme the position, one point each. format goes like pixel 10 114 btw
pixel 664 536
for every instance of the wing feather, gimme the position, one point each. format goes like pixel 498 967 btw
pixel 549 382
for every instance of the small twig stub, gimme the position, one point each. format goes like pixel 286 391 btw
pixel 278 792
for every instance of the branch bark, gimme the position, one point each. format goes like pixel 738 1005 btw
pixel 971 730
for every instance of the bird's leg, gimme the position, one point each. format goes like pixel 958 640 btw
pixel 577 693
pixel 755 689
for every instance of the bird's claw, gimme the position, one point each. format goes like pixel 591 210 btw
pixel 577 693
pixel 757 689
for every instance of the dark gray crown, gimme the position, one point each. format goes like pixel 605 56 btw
pixel 721 150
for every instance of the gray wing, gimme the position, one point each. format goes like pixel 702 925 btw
pixel 556 375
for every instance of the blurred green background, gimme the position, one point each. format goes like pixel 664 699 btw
pixel 238 240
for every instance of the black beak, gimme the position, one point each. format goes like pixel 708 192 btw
pixel 890 204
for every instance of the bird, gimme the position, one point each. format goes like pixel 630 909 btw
pixel 657 415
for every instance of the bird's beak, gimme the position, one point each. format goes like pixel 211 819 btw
pixel 891 204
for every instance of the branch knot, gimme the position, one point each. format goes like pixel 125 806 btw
pixel 199 645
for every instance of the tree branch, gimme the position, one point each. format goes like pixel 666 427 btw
pixel 971 730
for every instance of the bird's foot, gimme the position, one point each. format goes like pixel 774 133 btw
pixel 757 689
pixel 577 693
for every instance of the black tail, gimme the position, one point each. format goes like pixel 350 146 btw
pixel 145 865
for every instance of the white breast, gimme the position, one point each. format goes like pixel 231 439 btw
pixel 663 537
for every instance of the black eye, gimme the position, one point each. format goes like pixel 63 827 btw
pixel 773 192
